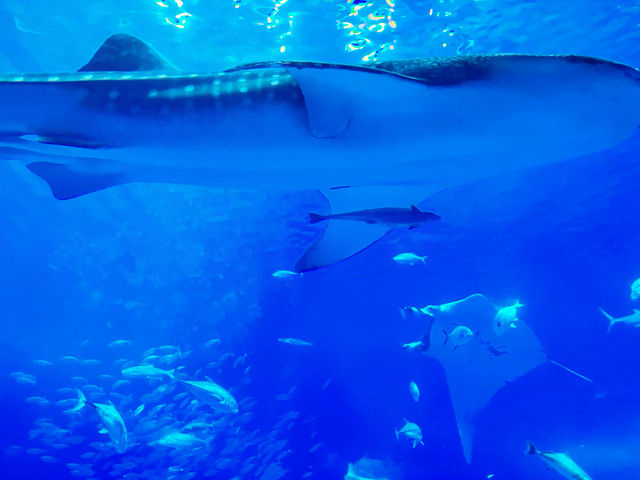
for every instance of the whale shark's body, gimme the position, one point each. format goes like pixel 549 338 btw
pixel 128 116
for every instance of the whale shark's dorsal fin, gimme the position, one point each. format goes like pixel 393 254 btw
pixel 125 53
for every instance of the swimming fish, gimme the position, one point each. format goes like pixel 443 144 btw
pixel 633 319
pixel 635 290
pixel 24 378
pixel 147 371
pixel 561 463
pixel 409 258
pixel 414 390
pixel 178 440
pixel 483 366
pixel 394 217
pixel 417 346
pixel 471 117
pixel 111 420
pixel 460 335
pixel 411 431
pixel 295 341
pixel 212 394
pixel 352 475
pixel 285 274
pixel 506 318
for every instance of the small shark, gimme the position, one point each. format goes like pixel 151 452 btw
pixel 560 462
pixel 395 132
pixel 111 420
pixel 632 319
pixel 411 217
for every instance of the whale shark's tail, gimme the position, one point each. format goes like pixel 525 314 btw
pixel 612 320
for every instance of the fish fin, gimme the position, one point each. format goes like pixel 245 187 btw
pixel 415 209
pixel 415 442
pixel 125 53
pixel 336 96
pixel 342 239
pixel 315 217
pixel 329 115
pixel 531 449
pixel 446 337
pixel 339 241
pixel 612 320
pixel 103 431
pixel 82 401
pixel 397 433
pixel 67 181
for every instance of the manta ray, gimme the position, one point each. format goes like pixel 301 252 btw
pixel 485 363
pixel 393 133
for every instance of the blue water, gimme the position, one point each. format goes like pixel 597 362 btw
pixel 177 265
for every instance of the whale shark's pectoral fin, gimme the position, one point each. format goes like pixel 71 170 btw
pixel 336 97
pixel 67 182
pixel 344 238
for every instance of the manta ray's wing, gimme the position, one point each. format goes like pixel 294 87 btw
pixel 477 370
pixel 342 239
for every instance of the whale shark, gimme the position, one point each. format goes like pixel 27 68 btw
pixel 386 135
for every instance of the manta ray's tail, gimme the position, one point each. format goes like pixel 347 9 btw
pixel 612 320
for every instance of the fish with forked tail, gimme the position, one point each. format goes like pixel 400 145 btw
pixel 633 319
pixel 560 462
pixel 111 420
